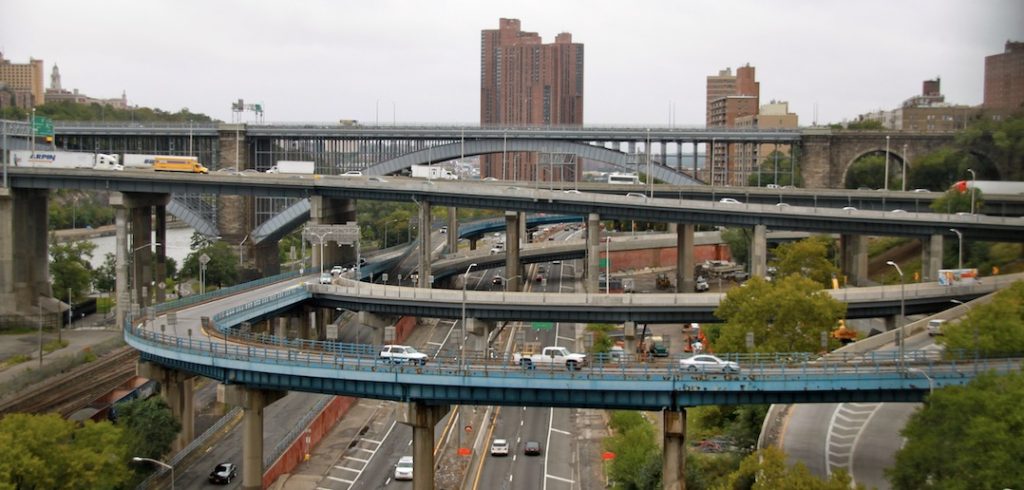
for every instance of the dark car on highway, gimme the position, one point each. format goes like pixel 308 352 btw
pixel 532 448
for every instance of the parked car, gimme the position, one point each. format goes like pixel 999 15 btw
pixel 499 447
pixel 223 473
pixel 531 448
pixel 708 362
pixel 403 469
pixel 401 354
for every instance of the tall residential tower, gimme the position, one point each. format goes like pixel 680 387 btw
pixel 524 82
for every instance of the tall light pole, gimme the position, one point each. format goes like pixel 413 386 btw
pixel 960 248
pixel 885 179
pixel 161 463
pixel 931 384
pixel 973 179
pixel 650 181
pixel 903 310
pixel 462 344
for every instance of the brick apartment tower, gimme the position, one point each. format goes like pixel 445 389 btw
pixel 1004 79
pixel 524 82
pixel 730 97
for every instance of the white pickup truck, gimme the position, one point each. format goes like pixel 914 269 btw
pixel 552 357
pixel 401 354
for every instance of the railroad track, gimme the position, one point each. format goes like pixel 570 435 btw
pixel 75 389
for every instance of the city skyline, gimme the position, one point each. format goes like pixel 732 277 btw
pixel 407 62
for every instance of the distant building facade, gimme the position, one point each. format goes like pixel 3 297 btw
pixel 774 115
pixel 927 112
pixel 21 84
pixel 728 99
pixel 524 82
pixel 1004 79
pixel 56 93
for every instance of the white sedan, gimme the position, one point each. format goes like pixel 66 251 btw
pixel 708 362
pixel 401 354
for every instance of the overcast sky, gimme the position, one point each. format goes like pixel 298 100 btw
pixel 419 61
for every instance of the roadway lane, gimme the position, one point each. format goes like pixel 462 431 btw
pixel 861 438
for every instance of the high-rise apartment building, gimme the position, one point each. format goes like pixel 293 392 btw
pixel 524 82
pixel 1004 79
pixel 728 98
pixel 21 84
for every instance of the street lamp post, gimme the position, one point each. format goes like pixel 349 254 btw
pixel 161 463
pixel 906 162
pixel 462 344
pixel 974 178
pixel 960 248
pixel 903 310
pixel 931 384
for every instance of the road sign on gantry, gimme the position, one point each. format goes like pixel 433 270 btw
pixel 347 234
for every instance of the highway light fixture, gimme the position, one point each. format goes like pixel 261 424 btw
pixel 903 311
pixel 960 248
pixel 156 462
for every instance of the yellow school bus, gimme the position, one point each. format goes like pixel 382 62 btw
pixel 179 164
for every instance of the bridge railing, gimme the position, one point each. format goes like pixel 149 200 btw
pixel 219 293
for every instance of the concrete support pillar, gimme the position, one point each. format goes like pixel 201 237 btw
pixel 160 270
pixel 513 270
pixel 265 258
pixel 121 265
pixel 891 322
pixel 328 211
pixel 422 418
pixel 523 237
pixel 854 250
pixel 673 469
pixel 453 230
pixel 629 335
pixel 374 324
pixel 281 329
pixel 425 246
pixel 931 258
pixel 177 389
pixel 472 243
pixel 759 251
pixel 24 257
pixel 684 258
pixel 252 402
pixel 593 252
pixel 141 255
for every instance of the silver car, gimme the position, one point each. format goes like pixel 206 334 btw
pixel 708 363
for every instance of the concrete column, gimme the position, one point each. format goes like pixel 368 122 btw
pixel 253 402
pixel 513 271
pixel 684 258
pixel 425 246
pixel 328 211
pixel 931 258
pixel 523 237
pixel 453 230
pixel 472 243
pixel 281 330
pixel 160 271
pixel 7 248
pixel 140 255
pixel 177 389
pixel 759 251
pixel 673 469
pixel 121 265
pixel 265 258
pixel 24 258
pixel 854 249
pixel 891 322
pixel 422 418
pixel 629 335
pixel 593 252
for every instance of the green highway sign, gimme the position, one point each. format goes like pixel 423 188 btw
pixel 602 263
pixel 543 325
pixel 43 126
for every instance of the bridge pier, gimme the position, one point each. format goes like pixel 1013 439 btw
pixel 931 258
pixel 252 401
pixel 135 211
pixel 513 269
pixel 854 250
pixel 673 466
pixel 425 247
pixel 684 258
pixel 422 418
pixel 759 252
pixel 177 389
pixel 453 230
pixel 329 211
pixel 24 258
pixel 593 245
pixel 377 324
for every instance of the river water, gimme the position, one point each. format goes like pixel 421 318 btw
pixel 178 240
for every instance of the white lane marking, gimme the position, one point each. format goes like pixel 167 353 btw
pixel 349 482
pixel 364 461
pixel 551 415
pixel 560 431
pixel 566 480
pixel 347 469
pixel 372 441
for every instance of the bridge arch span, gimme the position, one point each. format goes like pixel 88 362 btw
pixel 896 161
pixel 484 147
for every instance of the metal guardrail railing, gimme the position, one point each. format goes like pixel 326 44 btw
pixel 218 293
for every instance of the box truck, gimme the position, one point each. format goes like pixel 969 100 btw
pixel 65 159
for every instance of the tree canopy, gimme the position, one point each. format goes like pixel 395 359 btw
pixel 71 111
pixel 954 201
pixel 965 437
pixel 149 426
pixel 70 268
pixel 808 258
pixel 222 269
pixel 775 168
pixel 766 469
pixel 787 315
pixel 995 328
pixel 46 451
pixel 637 463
